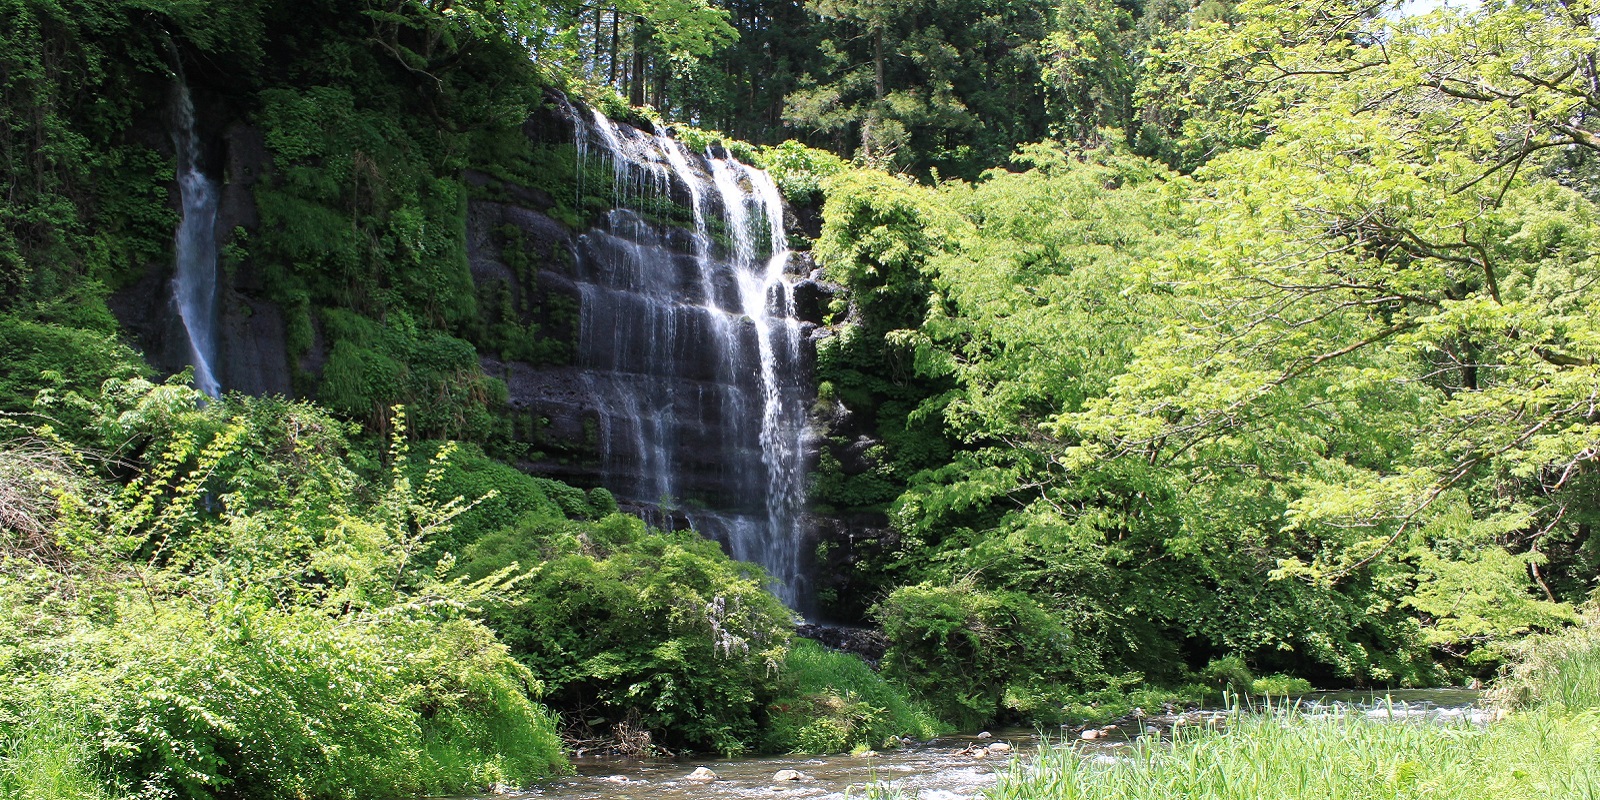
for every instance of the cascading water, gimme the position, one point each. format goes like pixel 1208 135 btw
pixel 689 343
pixel 194 279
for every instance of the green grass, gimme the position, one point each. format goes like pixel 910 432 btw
pixel 1554 671
pixel 46 760
pixel 834 702
pixel 1538 754
pixel 1550 748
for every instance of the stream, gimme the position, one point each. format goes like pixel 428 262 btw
pixel 946 768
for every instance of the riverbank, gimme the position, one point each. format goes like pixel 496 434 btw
pixel 1543 741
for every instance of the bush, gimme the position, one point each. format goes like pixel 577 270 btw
pixel 1280 686
pixel 245 617
pixel 1118 697
pixel 833 702
pixel 1228 674
pixel 1560 670
pixel 299 704
pixel 799 170
pixel 959 648
pixel 639 628
pixel 60 358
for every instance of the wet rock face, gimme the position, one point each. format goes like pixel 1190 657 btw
pixel 868 643
pixel 673 362
pixel 664 348
pixel 252 350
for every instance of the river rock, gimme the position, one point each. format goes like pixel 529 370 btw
pixel 999 747
pixel 986 735
pixel 701 775
pixel 1089 735
pixel 788 775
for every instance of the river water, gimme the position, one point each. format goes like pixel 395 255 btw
pixel 947 768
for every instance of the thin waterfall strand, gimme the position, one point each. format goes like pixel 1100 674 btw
pixel 194 280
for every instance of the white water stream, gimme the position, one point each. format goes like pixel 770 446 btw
pixel 689 338
pixel 194 277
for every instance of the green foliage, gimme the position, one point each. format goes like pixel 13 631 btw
pixel 1278 686
pixel 637 628
pixel 832 702
pixel 200 626
pixel 61 358
pixel 245 699
pixel 82 201
pixel 799 170
pixel 1559 671
pixel 1287 755
pixel 959 649
pixel 372 367
pixel 508 495
pixel 1481 598
pixel 1228 675
pixel 1120 697
pixel 358 210
pixel 1322 405
pixel 50 757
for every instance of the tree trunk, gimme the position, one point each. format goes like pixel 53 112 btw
pixel 660 100
pixel 599 44
pixel 636 80
pixel 614 26
pixel 878 88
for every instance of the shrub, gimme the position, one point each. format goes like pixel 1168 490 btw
pixel 639 627
pixel 300 704
pixel 245 616
pixel 1280 686
pixel 799 170
pixel 833 702
pixel 60 358
pixel 1561 670
pixel 1228 674
pixel 959 648
pixel 1116 697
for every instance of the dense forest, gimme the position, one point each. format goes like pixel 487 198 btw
pixel 1163 350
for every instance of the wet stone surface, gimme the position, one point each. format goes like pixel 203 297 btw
pixel 943 769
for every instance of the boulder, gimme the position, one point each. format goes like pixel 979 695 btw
pixel 1089 735
pixel 701 775
pixel 999 747
pixel 788 775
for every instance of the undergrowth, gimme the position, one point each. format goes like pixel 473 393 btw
pixel 834 702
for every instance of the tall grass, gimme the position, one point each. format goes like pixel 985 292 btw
pixel 47 760
pixel 1550 748
pixel 1289 755
pixel 1561 670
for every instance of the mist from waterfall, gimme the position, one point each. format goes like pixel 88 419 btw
pixel 194 278
pixel 689 338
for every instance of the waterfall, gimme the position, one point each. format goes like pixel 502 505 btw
pixel 690 347
pixel 194 279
